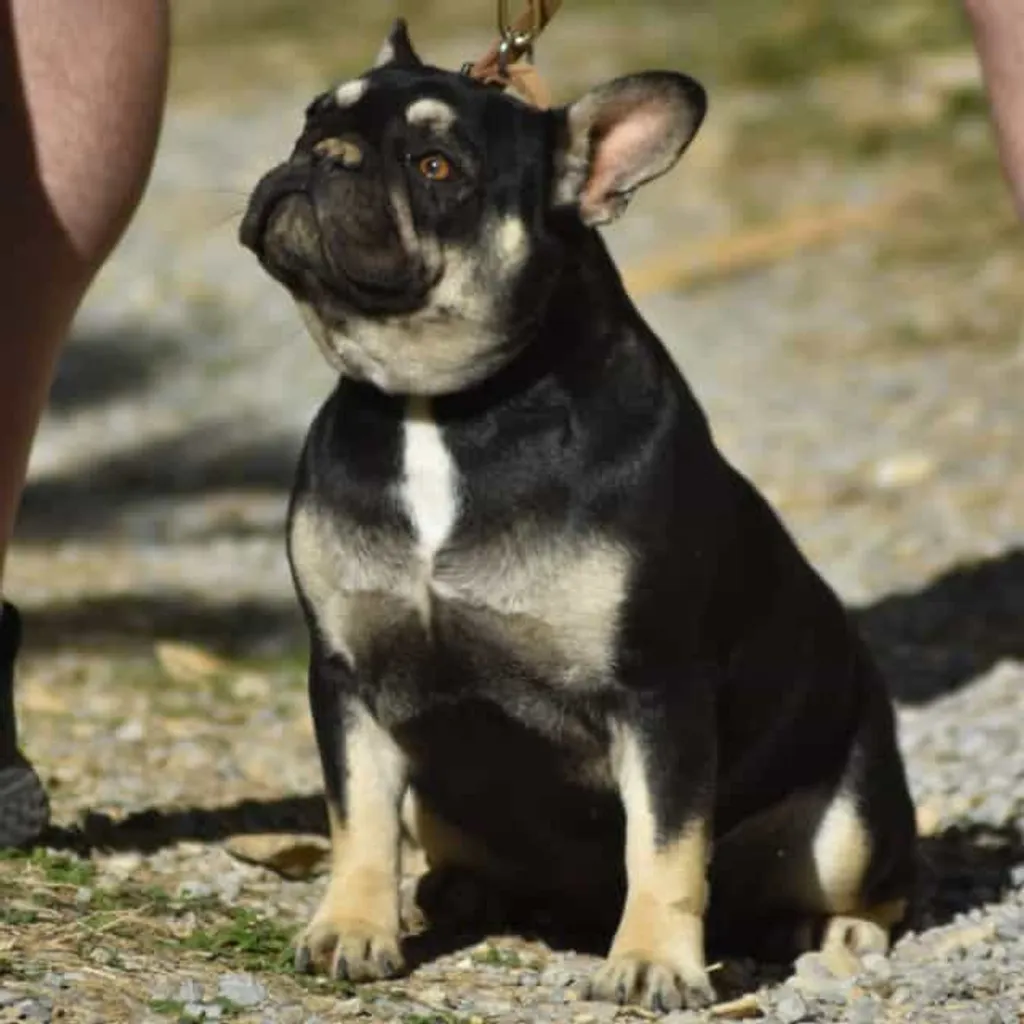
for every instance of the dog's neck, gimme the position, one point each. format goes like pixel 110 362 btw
pixel 580 319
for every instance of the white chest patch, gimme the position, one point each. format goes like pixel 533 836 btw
pixel 429 487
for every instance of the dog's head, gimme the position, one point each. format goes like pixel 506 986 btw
pixel 416 222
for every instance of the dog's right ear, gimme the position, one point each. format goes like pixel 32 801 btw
pixel 620 136
pixel 397 48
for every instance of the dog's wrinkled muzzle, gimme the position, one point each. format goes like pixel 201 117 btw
pixel 279 206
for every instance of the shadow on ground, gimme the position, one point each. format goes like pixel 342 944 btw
pixel 935 640
pixel 131 623
pixel 217 458
pixel 97 367
pixel 930 642
pixel 961 868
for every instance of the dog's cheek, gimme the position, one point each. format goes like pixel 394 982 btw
pixel 292 236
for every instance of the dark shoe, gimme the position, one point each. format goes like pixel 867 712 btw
pixel 24 807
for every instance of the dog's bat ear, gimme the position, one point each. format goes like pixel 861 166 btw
pixel 620 136
pixel 397 48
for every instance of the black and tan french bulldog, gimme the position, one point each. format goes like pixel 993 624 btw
pixel 554 633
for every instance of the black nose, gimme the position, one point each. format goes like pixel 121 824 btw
pixel 282 181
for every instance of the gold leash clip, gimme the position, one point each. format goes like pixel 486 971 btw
pixel 516 43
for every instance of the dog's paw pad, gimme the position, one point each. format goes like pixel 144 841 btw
pixel 349 950
pixel 655 985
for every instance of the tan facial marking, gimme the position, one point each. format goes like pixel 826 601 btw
pixel 430 112
pixel 349 93
pixel 348 153
pixel 510 240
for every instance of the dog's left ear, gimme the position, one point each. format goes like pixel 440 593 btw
pixel 620 136
pixel 397 48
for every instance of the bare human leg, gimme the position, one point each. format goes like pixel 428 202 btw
pixel 82 89
pixel 998 27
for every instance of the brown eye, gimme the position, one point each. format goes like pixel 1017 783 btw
pixel 435 167
pixel 345 151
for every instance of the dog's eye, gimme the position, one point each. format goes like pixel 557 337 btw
pixel 344 151
pixel 435 167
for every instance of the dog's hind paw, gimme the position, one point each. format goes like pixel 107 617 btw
pixel 657 986
pixel 351 950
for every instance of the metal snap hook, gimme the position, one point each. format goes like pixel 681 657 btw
pixel 517 43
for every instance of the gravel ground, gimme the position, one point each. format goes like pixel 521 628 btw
pixel 162 691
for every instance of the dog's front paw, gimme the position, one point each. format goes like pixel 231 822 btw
pixel 654 983
pixel 350 949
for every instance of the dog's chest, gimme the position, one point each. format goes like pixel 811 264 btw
pixel 525 599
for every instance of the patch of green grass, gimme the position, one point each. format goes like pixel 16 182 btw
pixel 245 939
pixel 434 1017
pixel 169 1007
pixel 59 869
pixel 496 956
pixel 176 1009
pixel 16 917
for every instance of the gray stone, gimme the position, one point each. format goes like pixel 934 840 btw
pixel 241 989
pixel 596 1011
pixel 557 978
pixel 791 1008
pixel 34 1010
pixel 877 966
pixel 194 890
pixel 864 1011
pixel 190 991
pixel 8 997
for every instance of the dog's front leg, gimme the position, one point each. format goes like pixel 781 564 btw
pixel 664 765
pixel 355 931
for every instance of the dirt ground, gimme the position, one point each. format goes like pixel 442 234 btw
pixel 837 269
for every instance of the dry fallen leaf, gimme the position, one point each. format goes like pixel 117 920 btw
pixel 744 1008
pixel 187 663
pixel 296 857
pixel 903 470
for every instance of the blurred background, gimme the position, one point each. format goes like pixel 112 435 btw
pixel 835 265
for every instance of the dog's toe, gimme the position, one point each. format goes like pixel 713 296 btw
pixel 349 950
pixel 858 935
pixel 653 984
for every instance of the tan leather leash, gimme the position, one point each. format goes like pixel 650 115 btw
pixel 500 66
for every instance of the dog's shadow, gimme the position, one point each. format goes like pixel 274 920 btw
pixel 961 868
pixel 938 639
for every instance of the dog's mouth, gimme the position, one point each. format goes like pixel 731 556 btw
pixel 307 251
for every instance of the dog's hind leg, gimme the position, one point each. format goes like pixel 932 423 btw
pixel 831 866
pixel 464 885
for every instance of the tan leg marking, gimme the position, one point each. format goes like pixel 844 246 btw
pixel 355 931
pixel 657 956
pixel 866 931
pixel 842 853
pixel 442 844
pixel 841 849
